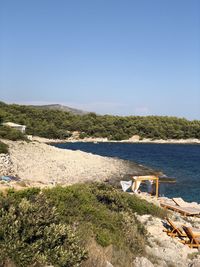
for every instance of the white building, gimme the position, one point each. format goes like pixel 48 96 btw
pixel 21 128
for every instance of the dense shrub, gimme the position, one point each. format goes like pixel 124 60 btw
pixel 3 148
pixel 31 233
pixel 15 197
pixel 119 201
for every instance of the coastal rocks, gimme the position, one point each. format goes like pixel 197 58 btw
pixel 168 256
pixel 108 264
pixel 142 262
pixel 6 165
pixel 195 263
pixel 134 139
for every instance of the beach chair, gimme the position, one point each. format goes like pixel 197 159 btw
pixel 185 211
pixel 174 230
pixel 193 238
pixel 181 203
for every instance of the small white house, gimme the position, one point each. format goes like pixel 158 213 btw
pixel 21 128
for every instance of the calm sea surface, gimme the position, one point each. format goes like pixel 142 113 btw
pixel 178 161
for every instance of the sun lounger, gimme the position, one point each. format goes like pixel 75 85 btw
pixel 174 230
pixel 181 203
pixel 193 239
pixel 185 211
pixel 178 231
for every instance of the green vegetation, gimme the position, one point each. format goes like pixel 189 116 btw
pixel 56 226
pixel 59 124
pixel 11 134
pixel 7 132
pixel 3 148
pixel 31 233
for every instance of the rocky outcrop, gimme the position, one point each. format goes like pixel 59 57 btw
pixel 142 262
pixel 6 165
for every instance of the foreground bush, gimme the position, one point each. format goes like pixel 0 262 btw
pixel 3 148
pixel 32 234
pixel 55 226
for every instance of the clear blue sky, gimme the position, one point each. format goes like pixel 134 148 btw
pixel 125 57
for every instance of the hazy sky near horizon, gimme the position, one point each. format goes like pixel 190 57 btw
pixel 124 57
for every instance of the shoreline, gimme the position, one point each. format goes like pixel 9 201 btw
pixel 40 164
pixel 105 140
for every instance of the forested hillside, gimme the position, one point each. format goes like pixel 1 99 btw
pixel 60 124
pixel 62 108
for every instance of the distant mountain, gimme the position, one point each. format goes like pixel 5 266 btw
pixel 62 108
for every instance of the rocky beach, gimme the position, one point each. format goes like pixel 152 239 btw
pixel 40 164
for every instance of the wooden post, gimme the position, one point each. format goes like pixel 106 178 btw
pixel 157 185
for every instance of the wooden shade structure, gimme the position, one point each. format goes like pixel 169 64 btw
pixel 145 178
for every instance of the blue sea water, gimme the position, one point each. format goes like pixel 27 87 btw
pixel 175 160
